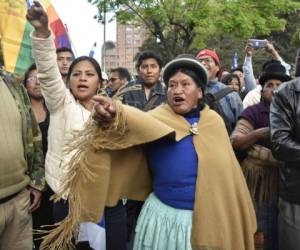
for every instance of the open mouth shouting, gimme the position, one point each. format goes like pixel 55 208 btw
pixel 82 87
pixel 178 100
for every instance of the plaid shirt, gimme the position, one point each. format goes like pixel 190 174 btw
pixel 32 140
pixel 137 98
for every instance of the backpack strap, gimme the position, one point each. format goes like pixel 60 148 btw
pixel 221 93
pixel 150 103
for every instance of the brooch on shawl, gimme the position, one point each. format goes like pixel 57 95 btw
pixel 194 129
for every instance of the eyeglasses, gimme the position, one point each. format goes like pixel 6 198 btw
pixel 206 60
pixel 31 79
pixel 113 79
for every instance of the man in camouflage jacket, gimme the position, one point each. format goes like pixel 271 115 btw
pixel 21 164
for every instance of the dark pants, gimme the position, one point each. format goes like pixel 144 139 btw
pixel 289 225
pixel 133 209
pixel 60 211
pixel 42 216
pixel 267 216
pixel 115 226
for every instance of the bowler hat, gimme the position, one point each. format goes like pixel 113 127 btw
pixel 274 70
pixel 185 63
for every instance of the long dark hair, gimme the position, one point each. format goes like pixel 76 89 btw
pixel 229 77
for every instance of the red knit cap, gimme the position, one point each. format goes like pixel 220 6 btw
pixel 211 53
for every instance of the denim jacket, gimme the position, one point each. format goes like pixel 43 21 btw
pixel 232 104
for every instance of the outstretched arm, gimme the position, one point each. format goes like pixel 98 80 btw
pixel 105 109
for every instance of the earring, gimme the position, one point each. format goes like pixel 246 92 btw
pixel 101 91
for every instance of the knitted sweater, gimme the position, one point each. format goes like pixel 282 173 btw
pixel 13 166
pixel 26 160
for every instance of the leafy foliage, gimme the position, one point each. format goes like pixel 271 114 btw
pixel 286 43
pixel 177 26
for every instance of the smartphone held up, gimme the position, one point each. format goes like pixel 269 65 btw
pixel 257 43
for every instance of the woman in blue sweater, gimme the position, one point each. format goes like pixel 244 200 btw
pixel 177 157
pixel 168 219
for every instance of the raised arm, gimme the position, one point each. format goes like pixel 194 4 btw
pixel 250 82
pixel 275 55
pixel 53 87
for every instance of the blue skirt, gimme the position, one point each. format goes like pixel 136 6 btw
pixel 161 227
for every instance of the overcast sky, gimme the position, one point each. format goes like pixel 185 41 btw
pixel 83 29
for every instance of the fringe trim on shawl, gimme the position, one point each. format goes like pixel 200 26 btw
pixel 89 138
pixel 261 174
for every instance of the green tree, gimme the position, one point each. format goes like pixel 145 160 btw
pixel 177 26
pixel 286 43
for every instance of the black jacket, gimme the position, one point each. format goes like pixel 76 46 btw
pixel 285 138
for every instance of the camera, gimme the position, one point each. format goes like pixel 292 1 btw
pixel 257 43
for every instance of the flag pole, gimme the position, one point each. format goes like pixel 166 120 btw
pixel 71 42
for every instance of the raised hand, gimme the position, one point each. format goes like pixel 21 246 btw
pixel 38 18
pixel 105 109
pixel 271 50
pixel 249 49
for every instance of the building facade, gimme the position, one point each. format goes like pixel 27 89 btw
pixel 129 39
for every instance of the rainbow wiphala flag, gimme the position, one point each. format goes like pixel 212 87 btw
pixel 15 31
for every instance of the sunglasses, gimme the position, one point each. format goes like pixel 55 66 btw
pixel 31 79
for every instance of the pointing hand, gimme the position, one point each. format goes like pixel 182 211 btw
pixel 105 109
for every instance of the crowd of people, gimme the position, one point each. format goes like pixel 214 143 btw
pixel 148 158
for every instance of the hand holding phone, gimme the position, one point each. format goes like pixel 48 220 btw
pixel 257 43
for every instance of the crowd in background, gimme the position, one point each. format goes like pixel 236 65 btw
pixel 256 133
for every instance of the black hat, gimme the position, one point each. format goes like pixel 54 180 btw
pixel 274 70
pixel 185 63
